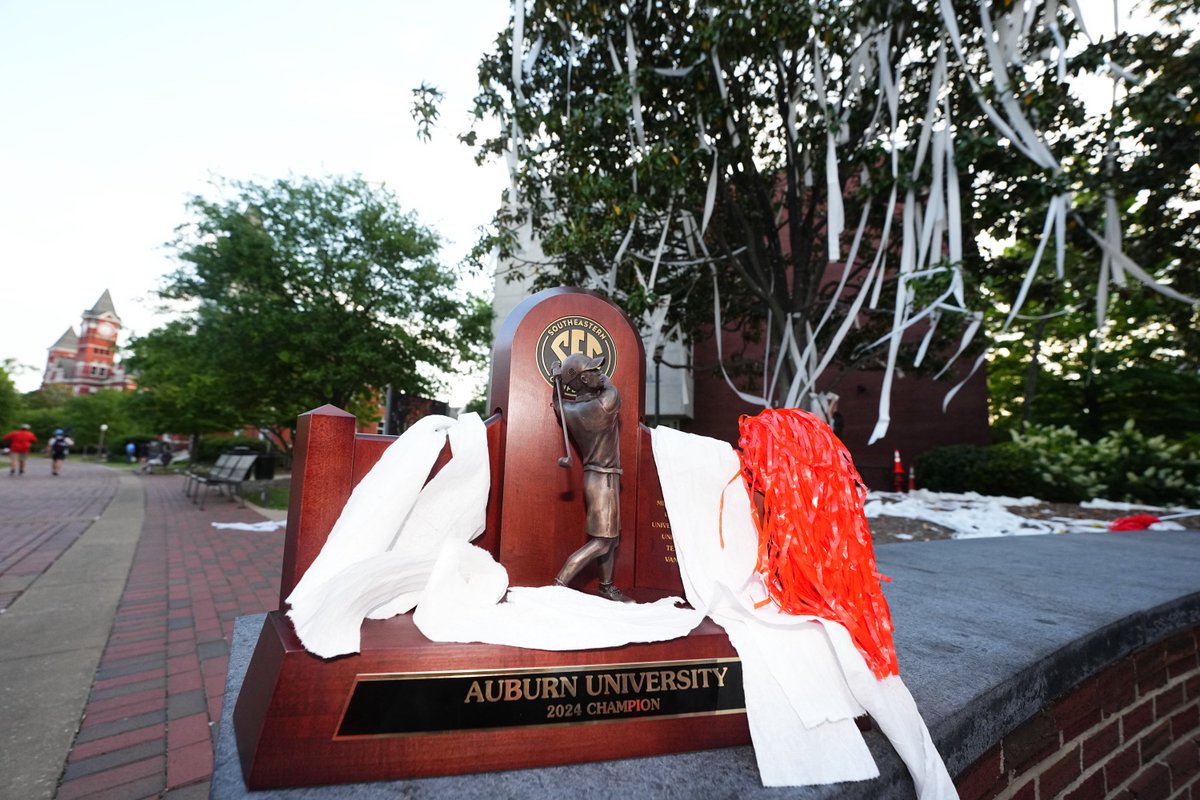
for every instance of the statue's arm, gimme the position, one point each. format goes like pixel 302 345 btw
pixel 609 399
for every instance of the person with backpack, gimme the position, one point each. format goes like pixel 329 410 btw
pixel 59 447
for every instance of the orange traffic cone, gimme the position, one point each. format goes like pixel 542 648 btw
pixel 897 473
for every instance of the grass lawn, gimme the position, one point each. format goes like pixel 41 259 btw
pixel 275 497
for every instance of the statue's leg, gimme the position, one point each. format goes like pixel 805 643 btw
pixel 608 562
pixel 595 548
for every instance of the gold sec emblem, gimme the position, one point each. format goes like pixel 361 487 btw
pixel 567 336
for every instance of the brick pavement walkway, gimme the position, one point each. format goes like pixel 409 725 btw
pixel 148 727
pixel 42 516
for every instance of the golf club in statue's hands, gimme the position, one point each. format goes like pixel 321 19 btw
pixel 566 461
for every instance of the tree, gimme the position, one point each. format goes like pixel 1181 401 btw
pixel 1097 345
pixel 52 396
pixel 82 415
pixel 1058 369
pixel 1155 171
pixel 9 398
pixel 303 292
pixel 686 155
pixel 681 156
pixel 176 391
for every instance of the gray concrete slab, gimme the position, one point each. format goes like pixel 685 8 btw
pixel 991 630
pixel 988 631
pixel 16 584
pixel 51 640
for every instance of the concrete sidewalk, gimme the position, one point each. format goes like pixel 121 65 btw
pixel 118 599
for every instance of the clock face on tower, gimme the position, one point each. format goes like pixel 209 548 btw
pixel 104 329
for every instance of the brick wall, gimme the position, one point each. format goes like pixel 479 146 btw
pixel 1132 731
pixel 918 422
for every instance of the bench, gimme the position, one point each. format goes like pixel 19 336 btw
pixel 192 477
pixel 231 470
pixel 163 459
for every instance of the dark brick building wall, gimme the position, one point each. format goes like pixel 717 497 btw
pixel 918 422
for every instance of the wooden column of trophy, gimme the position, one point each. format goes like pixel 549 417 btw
pixel 409 707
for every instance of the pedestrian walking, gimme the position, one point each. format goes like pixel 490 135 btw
pixel 19 442
pixel 60 445
pixel 131 452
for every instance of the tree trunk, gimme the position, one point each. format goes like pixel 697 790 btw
pixel 1031 374
pixel 1091 426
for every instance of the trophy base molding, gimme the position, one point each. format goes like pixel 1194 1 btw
pixel 406 707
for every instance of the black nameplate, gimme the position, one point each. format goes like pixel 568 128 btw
pixel 391 705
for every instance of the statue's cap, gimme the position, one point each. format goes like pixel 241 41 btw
pixel 577 364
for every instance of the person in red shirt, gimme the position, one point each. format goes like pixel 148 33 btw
pixel 19 442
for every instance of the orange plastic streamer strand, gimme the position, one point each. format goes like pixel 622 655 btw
pixel 814 547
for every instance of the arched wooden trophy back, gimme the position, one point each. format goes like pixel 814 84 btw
pixel 290 715
pixel 541 515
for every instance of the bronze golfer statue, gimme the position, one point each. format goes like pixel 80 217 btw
pixel 591 420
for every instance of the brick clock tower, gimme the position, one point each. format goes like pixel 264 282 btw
pixel 86 362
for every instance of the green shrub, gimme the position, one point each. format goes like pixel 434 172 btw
pixel 1056 464
pixel 1010 471
pixel 1002 469
pixel 1124 465
pixel 1063 463
pixel 948 469
pixel 1142 469
pixel 211 447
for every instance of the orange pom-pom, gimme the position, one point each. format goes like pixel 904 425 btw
pixel 814 546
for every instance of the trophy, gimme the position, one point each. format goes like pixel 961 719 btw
pixel 575 500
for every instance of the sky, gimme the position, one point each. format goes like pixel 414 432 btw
pixel 112 115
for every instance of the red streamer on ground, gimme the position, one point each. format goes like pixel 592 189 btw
pixel 1137 522
pixel 814 546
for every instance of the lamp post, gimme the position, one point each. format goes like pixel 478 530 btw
pixel 100 447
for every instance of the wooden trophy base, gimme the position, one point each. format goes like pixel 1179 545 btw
pixel 406 707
